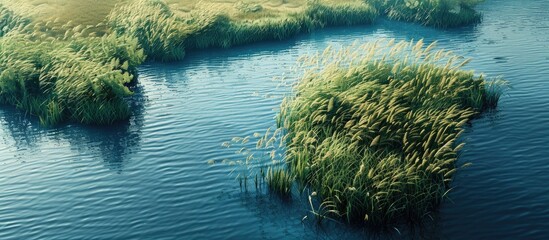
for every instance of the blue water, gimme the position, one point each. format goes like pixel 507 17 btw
pixel 149 178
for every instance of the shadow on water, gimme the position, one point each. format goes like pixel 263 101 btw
pixel 25 131
pixel 112 143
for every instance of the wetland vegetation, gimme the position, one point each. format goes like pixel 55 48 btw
pixel 373 129
pixel 102 42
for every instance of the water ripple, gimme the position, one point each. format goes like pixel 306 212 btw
pixel 149 178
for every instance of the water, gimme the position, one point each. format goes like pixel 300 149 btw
pixel 150 177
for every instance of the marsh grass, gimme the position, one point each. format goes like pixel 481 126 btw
pixel 9 20
pixel 79 79
pixel 374 128
pixel 436 13
pixel 59 70
pixel 159 31
pixel 166 35
pixel 279 181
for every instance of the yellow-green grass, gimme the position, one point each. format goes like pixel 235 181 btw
pixel 85 12
pixel 10 21
pixel 437 13
pixel 279 181
pixel 77 12
pixel 78 79
pixel 374 128
pixel 441 13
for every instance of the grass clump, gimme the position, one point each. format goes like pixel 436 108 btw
pixel 344 13
pixel 279 181
pixel 83 79
pixel 436 13
pixel 374 128
pixel 152 22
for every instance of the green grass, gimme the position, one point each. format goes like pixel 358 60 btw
pixel 374 129
pixel 437 13
pixel 82 79
pixel 9 20
pixel 279 181
pixel 166 35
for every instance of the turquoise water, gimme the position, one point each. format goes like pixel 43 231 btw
pixel 150 178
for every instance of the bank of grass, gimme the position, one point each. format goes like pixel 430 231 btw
pixel 374 128
pixel 77 79
pixel 72 60
pixel 436 13
pixel 166 34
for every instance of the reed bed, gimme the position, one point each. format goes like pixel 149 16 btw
pixel 436 13
pixel 373 129
pixel 166 35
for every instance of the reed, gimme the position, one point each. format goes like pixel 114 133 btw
pixel 81 79
pixel 152 22
pixel 166 35
pixel 436 13
pixel 279 181
pixel 79 70
pixel 374 128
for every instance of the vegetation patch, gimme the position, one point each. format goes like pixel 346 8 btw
pixel 9 20
pixel 166 35
pixel 437 13
pixel 373 129
pixel 71 78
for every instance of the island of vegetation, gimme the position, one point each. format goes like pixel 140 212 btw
pixel 373 129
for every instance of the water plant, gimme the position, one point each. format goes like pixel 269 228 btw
pixel 9 20
pixel 159 31
pixel 279 181
pixel 437 13
pixel 82 79
pixel 374 128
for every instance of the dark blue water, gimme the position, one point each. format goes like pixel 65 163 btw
pixel 149 178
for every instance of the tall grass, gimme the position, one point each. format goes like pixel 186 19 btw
pixel 82 79
pixel 152 22
pixel 279 181
pixel 9 20
pixel 437 13
pixel 65 71
pixel 166 36
pixel 374 128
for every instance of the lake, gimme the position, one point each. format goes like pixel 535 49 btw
pixel 150 177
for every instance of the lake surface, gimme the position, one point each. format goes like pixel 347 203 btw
pixel 150 178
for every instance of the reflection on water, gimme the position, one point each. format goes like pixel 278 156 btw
pixel 112 144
